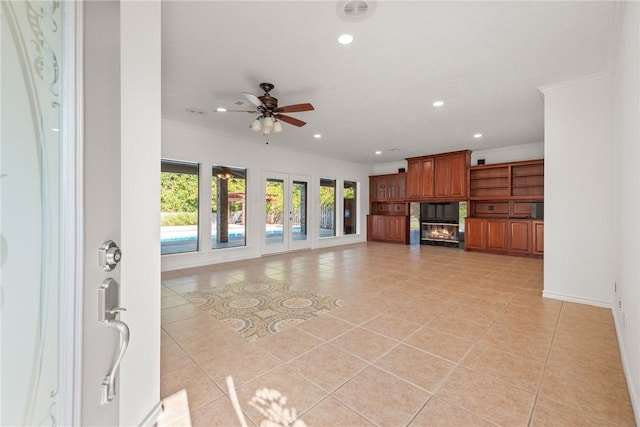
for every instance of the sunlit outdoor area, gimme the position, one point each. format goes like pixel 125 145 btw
pixel 327 207
pixel 178 207
pixel 275 211
pixel 228 207
pixel 350 216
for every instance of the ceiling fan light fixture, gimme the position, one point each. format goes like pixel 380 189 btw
pixel 268 122
pixel 256 125
pixel 277 127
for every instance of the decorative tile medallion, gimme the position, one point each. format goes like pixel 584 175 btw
pixel 258 308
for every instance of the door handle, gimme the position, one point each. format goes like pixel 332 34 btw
pixel 108 310
pixel 109 382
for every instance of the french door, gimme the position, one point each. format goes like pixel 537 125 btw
pixel 286 220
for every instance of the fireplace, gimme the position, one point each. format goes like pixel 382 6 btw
pixel 439 232
pixel 439 224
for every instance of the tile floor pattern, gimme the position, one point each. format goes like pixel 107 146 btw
pixel 425 336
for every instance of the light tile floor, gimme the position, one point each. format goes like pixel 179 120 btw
pixel 425 336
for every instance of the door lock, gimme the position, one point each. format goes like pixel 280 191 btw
pixel 109 255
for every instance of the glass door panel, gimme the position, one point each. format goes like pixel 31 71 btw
pixel 286 213
pixel 274 219
pixel 299 211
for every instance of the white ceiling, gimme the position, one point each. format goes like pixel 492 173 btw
pixel 485 60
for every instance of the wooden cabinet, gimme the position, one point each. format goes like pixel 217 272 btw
pixel 496 235
pixel 508 197
pixel 388 187
pixel 486 234
pixel 474 235
pixel 514 237
pixel 520 236
pixel 450 176
pixel 516 180
pixel 537 234
pixel 439 177
pixel 388 228
pixel 420 178
pixel 388 210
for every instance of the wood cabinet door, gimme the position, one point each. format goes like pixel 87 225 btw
pixel 538 237
pixel 378 188
pixel 378 227
pixel 392 187
pixel 474 235
pixel 402 186
pixel 373 189
pixel 496 234
pixel 396 228
pixel 520 237
pixel 426 179
pixel 419 179
pixel 414 179
pixel 441 176
pixel 458 176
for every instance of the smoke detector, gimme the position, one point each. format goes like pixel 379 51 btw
pixel 355 10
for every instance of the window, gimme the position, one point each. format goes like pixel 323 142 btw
pixel 178 207
pixel 228 207
pixel 350 202
pixel 327 207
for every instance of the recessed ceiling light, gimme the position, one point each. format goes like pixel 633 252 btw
pixel 394 150
pixel 317 136
pixel 378 152
pixel 345 39
pixel 438 103
pixel 55 129
pixel 477 135
pixel 221 110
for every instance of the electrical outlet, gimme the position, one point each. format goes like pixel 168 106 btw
pixel 620 304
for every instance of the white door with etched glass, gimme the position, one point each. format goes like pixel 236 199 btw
pixel 286 226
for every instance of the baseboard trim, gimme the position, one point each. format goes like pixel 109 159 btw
pixel 579 300
pixel 153 416
pixel 635 399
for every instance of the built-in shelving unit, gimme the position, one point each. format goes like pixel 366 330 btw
pixel 505 206
pixel 518 180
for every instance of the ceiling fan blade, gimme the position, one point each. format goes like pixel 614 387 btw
pixel 253 99
pixel 294 108
pixel 290 120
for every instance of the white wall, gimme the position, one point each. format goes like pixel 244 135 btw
pixel 184 142
pixel 388 167
pixel 626 107
pixel 513 153
pixel 578 182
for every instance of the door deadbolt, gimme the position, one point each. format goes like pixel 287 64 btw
pixel 109 255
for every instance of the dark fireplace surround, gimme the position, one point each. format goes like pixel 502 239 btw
pixel 439 224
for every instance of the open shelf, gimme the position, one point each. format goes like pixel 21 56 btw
pixel 507 180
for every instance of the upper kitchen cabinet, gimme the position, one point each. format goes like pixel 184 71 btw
pixel 420 178
pixel 389 187
pixel 438 177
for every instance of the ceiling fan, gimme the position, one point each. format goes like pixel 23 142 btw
pixel 270 114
